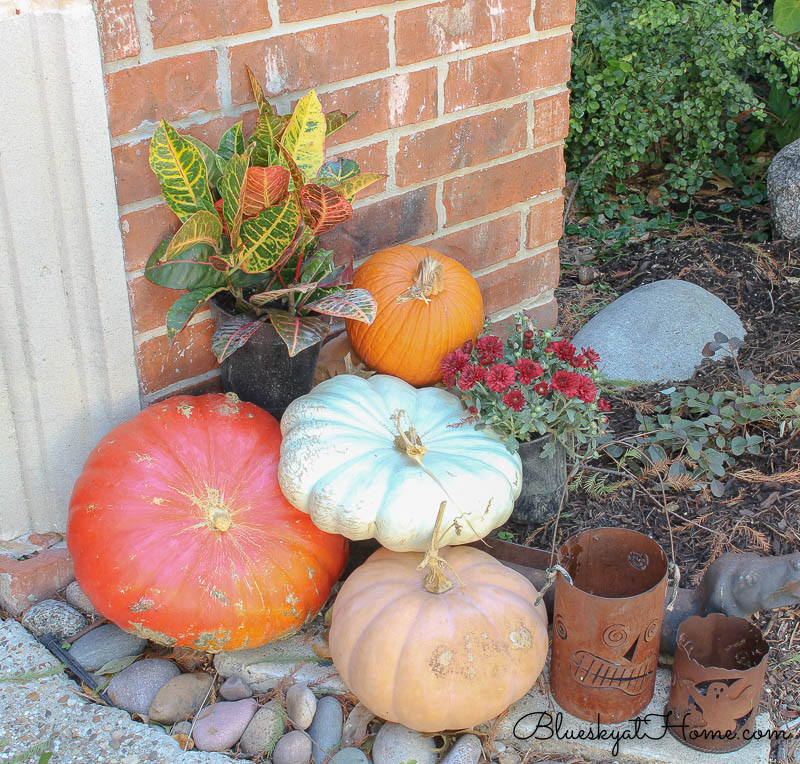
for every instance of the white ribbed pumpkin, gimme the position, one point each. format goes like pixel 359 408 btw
pixel 345 462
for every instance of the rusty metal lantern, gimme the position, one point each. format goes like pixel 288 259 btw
pixel 717 680
pixel 607 624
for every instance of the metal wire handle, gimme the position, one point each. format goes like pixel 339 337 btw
pixel 551 576
pixel 675 572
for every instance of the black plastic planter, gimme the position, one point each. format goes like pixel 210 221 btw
pixel 261 371
pixel 543 481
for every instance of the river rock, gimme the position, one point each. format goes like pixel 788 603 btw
pixel 326 729
pixel 219 727
pixel 783 189
pixel 103 644
pixel 180 698
pixel 264 730
pixel 293 748
pixel 657 332
pixel 467 750
pixel 135 687
pixel 53 617
pixel 235 688
pixel 79 600
pixel 301 705
pixel 350 755
pixel 395 744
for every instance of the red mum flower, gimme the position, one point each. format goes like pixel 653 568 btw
pixel 586 389
pixel 603 404
pixel 528 370
pixel 564 349
pixel 541 388
pixel 580 362
pixel 473 410
pixel 515 399
pixel 527 334
pixel 500 377
pixel 565 382
pixel 592 356
pixel 454 361
pixel 490 349
pixel 470 374
pixel 527 344
pixel 468 346
pixel 449 378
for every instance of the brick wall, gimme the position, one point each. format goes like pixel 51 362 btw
pixel 462 103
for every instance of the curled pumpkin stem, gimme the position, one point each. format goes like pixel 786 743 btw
pixel 436 581
pixel 429 282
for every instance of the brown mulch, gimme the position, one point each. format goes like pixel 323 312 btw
pixel 761 282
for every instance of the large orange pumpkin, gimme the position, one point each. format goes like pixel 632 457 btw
pixel 180 532
pixel 428 305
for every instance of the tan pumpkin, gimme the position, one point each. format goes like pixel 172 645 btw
pixel 428 305
pixel 438 650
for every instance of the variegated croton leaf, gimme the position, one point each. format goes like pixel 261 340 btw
pixel 232 333
pixel 299 332
pixel 356 304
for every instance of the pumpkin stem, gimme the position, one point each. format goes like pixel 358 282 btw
pixel 429 281
pixel 408 441
pixel 220 519
pixel 436 582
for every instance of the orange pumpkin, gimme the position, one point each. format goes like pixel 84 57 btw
pixel 180 532
pixel 436 654
pixel 428 305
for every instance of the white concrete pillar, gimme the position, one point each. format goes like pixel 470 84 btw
pixel 67 358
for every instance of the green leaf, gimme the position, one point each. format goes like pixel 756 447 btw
pixel 266 136
pixel 181 171
pixel 116 665
pixel 738 445
pixel 209 160
pixel 299 332
pixel 232 333
pixel 232 142
pixel 357 304
pixel 317 266
pixel 349 188
pixel 258 91
pixel 191 270
pixel 185 307
pixel 786 16
pixel 267 236
pixel 336 120
pixel 336 171
pixel 304 137
pixel 232 189
pixel 201 228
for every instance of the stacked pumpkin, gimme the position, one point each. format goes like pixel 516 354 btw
pixel 428 633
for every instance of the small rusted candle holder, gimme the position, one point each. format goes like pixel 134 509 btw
pixel 717 680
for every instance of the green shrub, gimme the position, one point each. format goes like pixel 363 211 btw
pixel 675 86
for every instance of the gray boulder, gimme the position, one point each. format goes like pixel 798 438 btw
pixel 657 332
pixel 783 189
pixel 53 617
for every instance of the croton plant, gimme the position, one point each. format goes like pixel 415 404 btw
pixel 252 212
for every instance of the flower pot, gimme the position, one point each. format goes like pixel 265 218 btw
pixel 607 624
pixel 262 371
pixel 717 680
pixel 543 481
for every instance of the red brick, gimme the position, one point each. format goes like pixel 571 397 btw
pixel 150 303
pixel 464 143
pixel 495 188
pixel 135 179
pixel 170 89
pixel 143 231
pixel 299 10
pixel 519 281
pixel 482 245
pixel 549 14
pixel 435 30
pixel 545 223
pixel 385 223
pixel 507 73
pixel 26 582
pixel 370 158
pixel 177 21
pixel 116 22
pixel 310 58
pixel 162 364
pixel 550 119
pixel 45 540
pixel 212 385
pixel 382 104
pixel 544 316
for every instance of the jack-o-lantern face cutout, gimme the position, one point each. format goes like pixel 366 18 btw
pixel 625 666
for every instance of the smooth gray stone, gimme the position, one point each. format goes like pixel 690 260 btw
pixel 293 748
pixel 235 688
pixel 783 189
pixel 264 730
pixel 326 729
pixel 76 597
pixel 135 687
pixel 219 727
pixel 657 332
pixel 466 750
pixel 53 617
pixel 395 744
pixel 301 705
pixel 180 698
pixel 103 644
pixel 351 756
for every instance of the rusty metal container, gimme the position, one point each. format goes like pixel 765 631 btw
pixel 607 624
pixel 717 680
